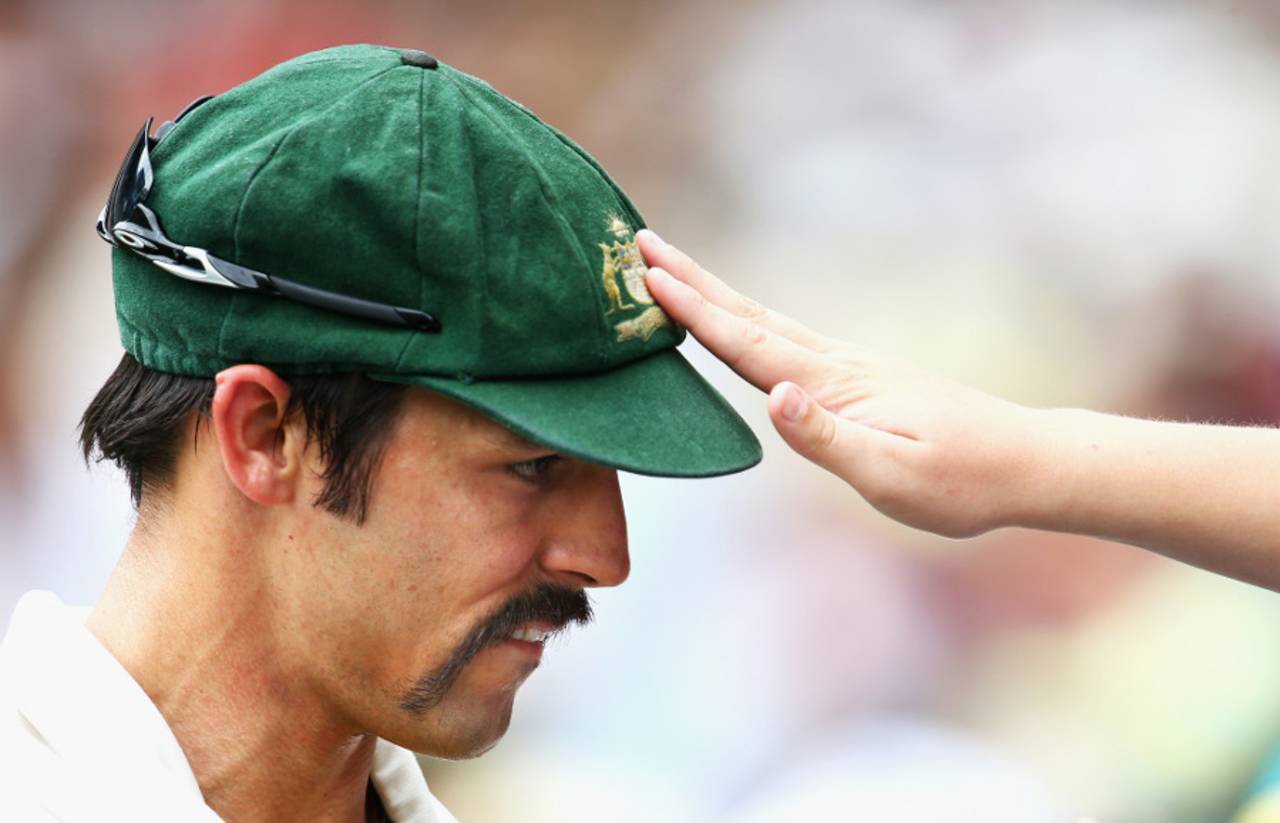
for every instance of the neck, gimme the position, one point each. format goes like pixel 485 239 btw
pixel 189 618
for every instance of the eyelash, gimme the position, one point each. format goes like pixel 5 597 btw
pixel 534 471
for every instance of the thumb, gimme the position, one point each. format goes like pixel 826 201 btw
pixel 811 430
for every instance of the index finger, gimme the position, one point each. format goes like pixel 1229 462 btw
pixel 675 262
pixel 760 356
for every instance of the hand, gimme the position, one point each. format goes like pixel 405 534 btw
pixel 924 450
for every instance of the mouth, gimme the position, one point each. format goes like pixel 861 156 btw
pixel 531 634
pixel 521 627
pixel 530 638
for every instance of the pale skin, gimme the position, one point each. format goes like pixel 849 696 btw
pixel 277 639
pixel 944 457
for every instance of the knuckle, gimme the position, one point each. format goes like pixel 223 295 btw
pixel 850 357
pixel 822 345
pixel 751 309
pixel 754 335
pixel 751 338
pixel 826 435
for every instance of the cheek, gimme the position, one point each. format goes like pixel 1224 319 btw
pixel 469 532
pixel 425 569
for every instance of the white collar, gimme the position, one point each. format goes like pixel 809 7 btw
pixel 114 750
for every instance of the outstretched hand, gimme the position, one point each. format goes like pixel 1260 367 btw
pixel 926 451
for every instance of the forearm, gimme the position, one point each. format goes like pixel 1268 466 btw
pixel 1205 495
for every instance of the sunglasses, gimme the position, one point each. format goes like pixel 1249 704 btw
pixel 126 222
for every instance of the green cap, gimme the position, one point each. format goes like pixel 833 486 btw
pixel 382 174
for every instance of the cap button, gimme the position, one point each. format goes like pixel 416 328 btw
pixel 414 57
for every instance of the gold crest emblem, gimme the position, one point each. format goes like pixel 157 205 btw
pixel 623 277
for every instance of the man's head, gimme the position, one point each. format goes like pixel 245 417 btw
pixel 404 497
pixel 411 553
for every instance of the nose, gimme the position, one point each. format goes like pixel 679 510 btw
pixel 587 543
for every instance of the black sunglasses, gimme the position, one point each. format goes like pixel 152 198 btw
pixel 126 223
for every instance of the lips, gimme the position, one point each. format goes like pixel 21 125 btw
pixel 535 615
pixel 530 634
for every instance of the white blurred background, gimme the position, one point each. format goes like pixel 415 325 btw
pixel 1063 203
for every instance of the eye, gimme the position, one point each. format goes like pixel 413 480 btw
pixel 535 470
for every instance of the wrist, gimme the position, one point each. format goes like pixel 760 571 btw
pixel 1045 467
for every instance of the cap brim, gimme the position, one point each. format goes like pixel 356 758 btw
pixel 654 416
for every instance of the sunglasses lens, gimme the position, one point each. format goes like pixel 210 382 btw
pixel 132 182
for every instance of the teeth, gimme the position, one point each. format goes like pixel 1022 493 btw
pixel 530 635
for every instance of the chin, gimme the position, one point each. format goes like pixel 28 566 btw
pixel 460 734
pixel 471 752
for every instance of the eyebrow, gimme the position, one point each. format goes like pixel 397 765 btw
pixel 507 437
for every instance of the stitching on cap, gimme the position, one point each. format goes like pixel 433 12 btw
pixel 159 350
pixel 481 294
pixel 544 182
pixel 623 200
pixel 417 214
pixel 235 231
pixel 235 228
pixel 244 197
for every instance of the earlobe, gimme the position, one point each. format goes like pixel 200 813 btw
pixel 250 416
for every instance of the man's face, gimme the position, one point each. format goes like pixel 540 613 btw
pixel 404 623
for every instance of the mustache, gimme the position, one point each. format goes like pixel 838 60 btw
pixel 560 606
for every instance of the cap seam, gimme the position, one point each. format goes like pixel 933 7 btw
pixel 162 149
pixel 235 229
pixel 544 183
pixel 244 196
pixel 623 200
pixel 417 217
pixel 323 60
pixel 480 295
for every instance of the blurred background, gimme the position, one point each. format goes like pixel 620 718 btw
pixel 1067 204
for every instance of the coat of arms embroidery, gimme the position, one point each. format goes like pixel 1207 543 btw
pixel 623 278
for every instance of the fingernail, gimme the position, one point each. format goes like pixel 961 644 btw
pixel 660 242
pixel 658 273
pixel 793 404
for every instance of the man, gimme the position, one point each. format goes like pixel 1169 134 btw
pixel 388 341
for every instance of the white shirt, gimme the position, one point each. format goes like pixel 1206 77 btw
pixel 81 741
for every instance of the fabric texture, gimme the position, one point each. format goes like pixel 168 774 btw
pixel 360 171
pixel 81 741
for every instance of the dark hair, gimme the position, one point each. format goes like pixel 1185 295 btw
pixel 137 419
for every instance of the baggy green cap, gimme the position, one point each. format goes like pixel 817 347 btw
pixel 382 174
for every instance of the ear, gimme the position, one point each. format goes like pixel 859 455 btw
pixel 261 454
